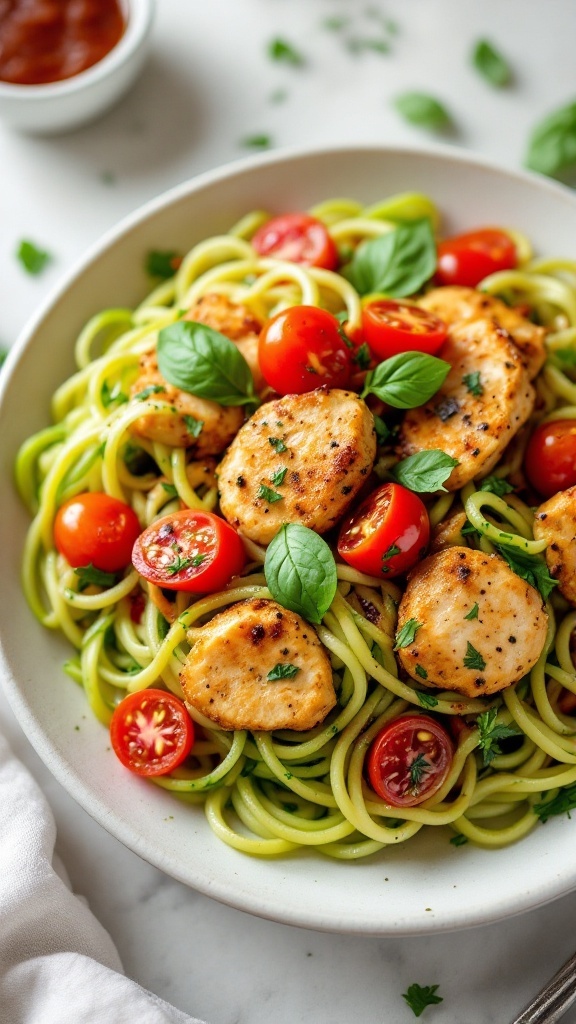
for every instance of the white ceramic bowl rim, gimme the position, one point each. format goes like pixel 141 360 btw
pixel 139 14
pixel 267 891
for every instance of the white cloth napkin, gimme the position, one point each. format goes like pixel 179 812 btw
pixel 57 963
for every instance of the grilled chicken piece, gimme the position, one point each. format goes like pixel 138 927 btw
pixel 237 322
pixel 555 522
pixel 482 404
pixel 448 532
pixel 226 675
pixel 455 304
pixel 481 626
pixel 325 440
pixel 178 428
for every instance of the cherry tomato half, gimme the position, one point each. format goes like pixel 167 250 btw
pixel 550 459
pixel 391 327
pixel 301 349
pixel 409 760
pixel 151 732
pixel 190 550
pixel 94 528
pixel 387 534
pixel 298 238
pixel 467 259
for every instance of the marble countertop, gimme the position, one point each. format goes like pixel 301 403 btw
pixel 209 85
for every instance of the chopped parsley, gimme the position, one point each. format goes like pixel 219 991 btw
pixel 180 563
pixel 277 477
pixel 562 803
pixel 473 613
pixel 359 44
pixel 258 141
pixel 496 485
pixel 32 258
pixel 406 635
pixel 382 431
pixel 390 552
pixel 170 489
pixel 417 770
pixel 421 671
pixel 459 840
pixel 267 494
pixel 282 672
pixel 490 733
pixel 152 389
pixel 162 263
pixel 419 997
pixel 193 426
pixel 472 382
pixel 89 574
pixel 426 699
pixel 531 568
pixel 277 444
pixel 362 356
pixel 473 659
pixel 112 394
pixel 283 51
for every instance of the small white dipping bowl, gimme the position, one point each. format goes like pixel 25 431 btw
pixel 61 106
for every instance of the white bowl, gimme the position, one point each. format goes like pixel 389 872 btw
pixel 422 886
pixel 61 106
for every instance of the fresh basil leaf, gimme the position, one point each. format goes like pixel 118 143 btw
pixel 397 263
pixel 89 574
pixel 33 259
pixel 162 263
pixel 530 568
pixel 282 671
pixel 197 359
pixel 300 571
pixel 424 472
pixel 406 380
pixel 552 145
pixel 423 110
pixel 491 64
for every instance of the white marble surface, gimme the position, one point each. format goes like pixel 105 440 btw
pixel 207 86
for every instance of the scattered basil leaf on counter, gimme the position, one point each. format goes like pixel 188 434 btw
pixel 491 64
pixel 531 568
pixel 197 359
pixel 359 44
pixel 282 672
pixel 405 636
pixel 300 571
pixel 335 23
pixel 268 495
pixel 261 141
pixel 419 997
pixel 283 51
pixel 424 472
pixel 562 803
pixel 423 110
pixel 496 485
pixel 32 258
pixel 473 659
pixel 162 264
pixel 490 734
pixel 397 263
pixel 89 574
pixel 406 380
pixel 552 144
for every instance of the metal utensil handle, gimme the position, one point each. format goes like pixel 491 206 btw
pixel 554 999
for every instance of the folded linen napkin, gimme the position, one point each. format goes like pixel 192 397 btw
pixel 57 963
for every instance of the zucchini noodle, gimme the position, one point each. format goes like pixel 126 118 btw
pixel 268 794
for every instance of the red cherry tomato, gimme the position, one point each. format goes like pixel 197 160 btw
pixel 298 238
pixel 391 327
pixel 468 259
pixel 95 529
pixel 301 349
pixel 550 459
pixel 387 534
pixel 151 732
pixel 409 760
pixel 190 550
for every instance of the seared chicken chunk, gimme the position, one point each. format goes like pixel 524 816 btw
pixel 258 666
pixel 448 532
pixel 482 404
pixel 480 627
pixel 300 459
pixel 555 523
pixel 178 427
pixel 237 322
pixel 455 304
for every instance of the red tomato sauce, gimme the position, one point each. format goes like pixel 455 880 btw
pixel 49 40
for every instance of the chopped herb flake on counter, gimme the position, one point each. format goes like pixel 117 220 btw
pixel 32 258
pixel 491 64
pixel 419 997
pixel 425 111
pixel 285 52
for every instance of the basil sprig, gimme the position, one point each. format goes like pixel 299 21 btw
pixel 425 472
pixel 300 571
pixel 406 380
pixel 397 263
pixel 197 359
pixel 552 146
